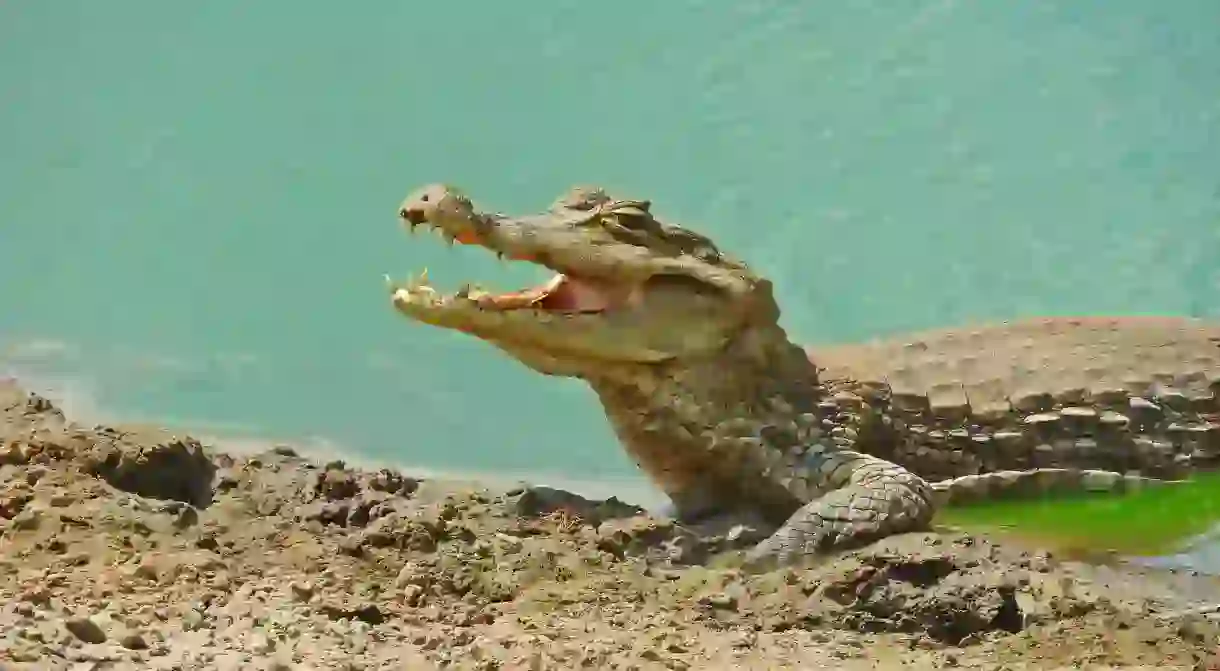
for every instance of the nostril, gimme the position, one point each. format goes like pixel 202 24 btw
pixel 412 215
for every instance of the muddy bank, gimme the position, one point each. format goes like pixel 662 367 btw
pixel 132 548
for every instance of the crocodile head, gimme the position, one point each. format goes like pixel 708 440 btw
pixel 628 290
pixel 681 344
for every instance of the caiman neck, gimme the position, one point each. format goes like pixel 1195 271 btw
pixel 707 431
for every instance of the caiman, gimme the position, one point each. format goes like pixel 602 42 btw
pixel 832 447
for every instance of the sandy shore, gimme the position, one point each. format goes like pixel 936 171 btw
pixel 133 548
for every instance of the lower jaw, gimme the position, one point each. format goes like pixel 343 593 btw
pixel 561 295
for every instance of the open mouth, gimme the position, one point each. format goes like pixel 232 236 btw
pixel 564 293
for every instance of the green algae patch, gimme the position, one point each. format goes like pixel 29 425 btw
pixel 1150 521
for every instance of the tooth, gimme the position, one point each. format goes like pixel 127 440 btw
pixel 450 238
pixel 500 255
pixel 414 283
pixel 463 292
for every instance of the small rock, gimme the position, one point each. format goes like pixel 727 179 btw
pixel 192 620
pixel 37 594
pixel 147 568
pixel 510 544
pixel 261 644
pixel 301 591
pixel 410 574
pixel 352 546
pixel 133 640
pixel 411 594
pixel 847 399
pixel 12 453
pixel 720 600
pixel 86 630
pixel 27 520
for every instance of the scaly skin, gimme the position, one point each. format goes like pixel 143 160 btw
pixel 1125 394
pixel 705 391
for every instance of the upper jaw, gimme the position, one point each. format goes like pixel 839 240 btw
pixel 583 253
pixel 574 251
pixel 518 240
pixel 565 292
pixel 466 228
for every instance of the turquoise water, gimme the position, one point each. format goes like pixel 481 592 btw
pixel 198 198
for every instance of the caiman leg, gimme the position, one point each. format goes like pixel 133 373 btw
pixel 864 499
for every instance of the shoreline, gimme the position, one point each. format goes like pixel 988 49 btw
pixel 87 410
pixel 132 547
pixel 628 490
pixel 84 407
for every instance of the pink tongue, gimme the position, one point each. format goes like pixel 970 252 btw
pixel 568 294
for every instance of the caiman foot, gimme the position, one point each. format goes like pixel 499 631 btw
pixel 880 500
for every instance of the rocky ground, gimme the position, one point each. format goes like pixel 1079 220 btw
pixel 130 548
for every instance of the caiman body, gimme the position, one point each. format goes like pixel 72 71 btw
pixel 831 447
pixel 1117 394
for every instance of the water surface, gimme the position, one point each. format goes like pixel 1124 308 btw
pixel 198 199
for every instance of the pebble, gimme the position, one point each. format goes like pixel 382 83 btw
pixel 27 520
pixel 192 620
pixel 261 644
pixel 301 591
pixel 86 630
pixel 133 641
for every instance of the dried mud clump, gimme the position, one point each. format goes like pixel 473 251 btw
pixel 152 463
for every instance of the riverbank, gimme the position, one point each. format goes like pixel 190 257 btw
pixel 131 547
